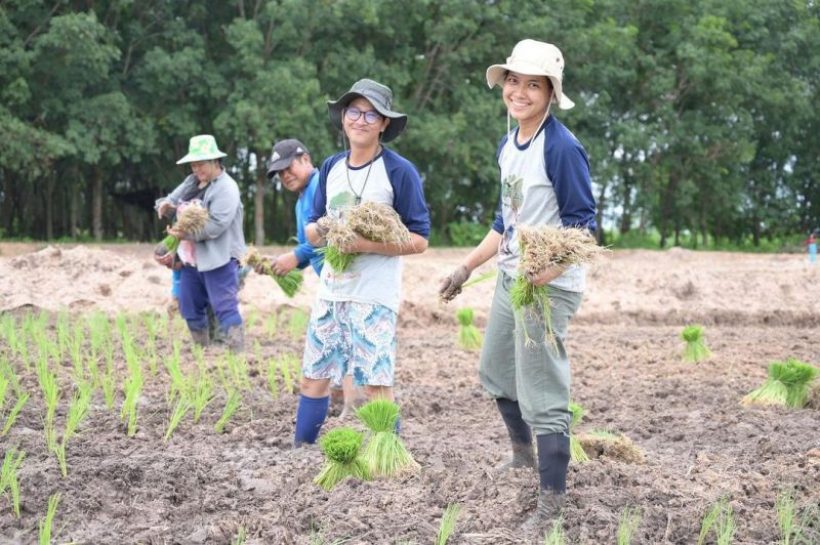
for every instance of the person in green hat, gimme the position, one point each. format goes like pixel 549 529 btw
pixel 210 258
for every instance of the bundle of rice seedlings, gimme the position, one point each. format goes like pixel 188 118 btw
pixel 469 337
pixel 341 447
pixel 385 452
pixel 290 283
pixel 616 446
pixel 372 220
pixel 543 247
pixel 576 451
pixel 787 385
pixel 191 219
pixel 696 349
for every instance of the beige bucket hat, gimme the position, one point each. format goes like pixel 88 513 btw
pixel 202 147
pixel 534 58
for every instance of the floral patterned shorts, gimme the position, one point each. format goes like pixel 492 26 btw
pixel 345 337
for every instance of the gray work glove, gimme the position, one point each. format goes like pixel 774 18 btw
pixel 323 226
pixel 451 286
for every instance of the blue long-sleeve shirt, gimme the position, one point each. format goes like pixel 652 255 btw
pixel 305 252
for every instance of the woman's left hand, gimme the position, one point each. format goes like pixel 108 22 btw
pixel 175 232
pixel 546 276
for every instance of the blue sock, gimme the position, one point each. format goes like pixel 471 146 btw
pixel 310 415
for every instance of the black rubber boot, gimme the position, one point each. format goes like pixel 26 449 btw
pixel 520 436
pixel 553 460
pixel 235 338
pixel 201 337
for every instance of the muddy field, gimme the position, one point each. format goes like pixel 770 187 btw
pixel 200 487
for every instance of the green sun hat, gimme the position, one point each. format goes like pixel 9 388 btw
pixel 202 147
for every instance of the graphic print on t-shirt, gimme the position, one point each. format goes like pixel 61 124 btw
pixel 512 195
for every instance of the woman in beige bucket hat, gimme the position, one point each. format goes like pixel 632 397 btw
pixel 545 180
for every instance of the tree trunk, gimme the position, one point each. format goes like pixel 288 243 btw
pixel 97 203
pixel 49 202
pixel 259 207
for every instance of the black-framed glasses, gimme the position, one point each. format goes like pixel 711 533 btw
pixel 370 116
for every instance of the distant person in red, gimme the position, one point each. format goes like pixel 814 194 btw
pixel 811 243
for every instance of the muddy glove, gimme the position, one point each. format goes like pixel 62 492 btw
pixel 323 226
pixel 451 286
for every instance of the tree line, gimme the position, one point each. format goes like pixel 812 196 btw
pixel 699 116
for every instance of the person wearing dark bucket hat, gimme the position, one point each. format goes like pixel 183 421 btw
pixel 545 180
pixel 210 275
pixel 365 297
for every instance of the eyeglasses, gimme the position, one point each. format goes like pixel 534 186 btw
pixel 370 116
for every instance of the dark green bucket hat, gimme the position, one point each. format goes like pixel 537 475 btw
pixel 380 96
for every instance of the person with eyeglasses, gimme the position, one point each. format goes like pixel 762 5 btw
pixel 545 180
pixel 352 328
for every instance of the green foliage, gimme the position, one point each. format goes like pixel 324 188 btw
pixel 45 525
pixel 576 450
pixel 12 460
pixel 385 453
pixel 676 104
pixel 628 523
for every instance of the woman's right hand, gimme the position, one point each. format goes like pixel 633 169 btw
pixel 451 286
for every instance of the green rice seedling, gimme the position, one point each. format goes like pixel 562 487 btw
pixel 132 387
pixel 4 389
pixel 794 529
pixel 385 452
pixel 290 282
pixel 238 368
pixel 77 412
pixel 576 450
pixel 297 323
pixel 178 383
pixel 201 394
pixel 341 447
pixel 12 461
pixel 469 337
pixel 75 349
pixel 12 415
pixel 286 369
pixel 63 333
pixel 695 349
pixel 180 410
pixel 628 523
pixel 150 343
pixel 556 534
pixel 787 385
pixel 271 324
pixel 273 382
pixel 478 279
pixel 47 524
pixel 721 518
pixel 8 332
pixel 7 371
pixel 239 538
pixel 231 405
pixel 108 385
pixel 337 259
pixel 51 394
pixel 448 524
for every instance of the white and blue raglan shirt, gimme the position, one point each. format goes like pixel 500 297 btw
pixel 390 179
pixel 543 182
pixel 304 251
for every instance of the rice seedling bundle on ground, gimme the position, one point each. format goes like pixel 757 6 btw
pixel 469 337
pixel 290 283
pixel 576 451
pixel 544 247
pixel 616 446
pixel 191 220
pixel 695 349
pixel 342 448
pixel 371 220
pixel 788 385
pixel 385 452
